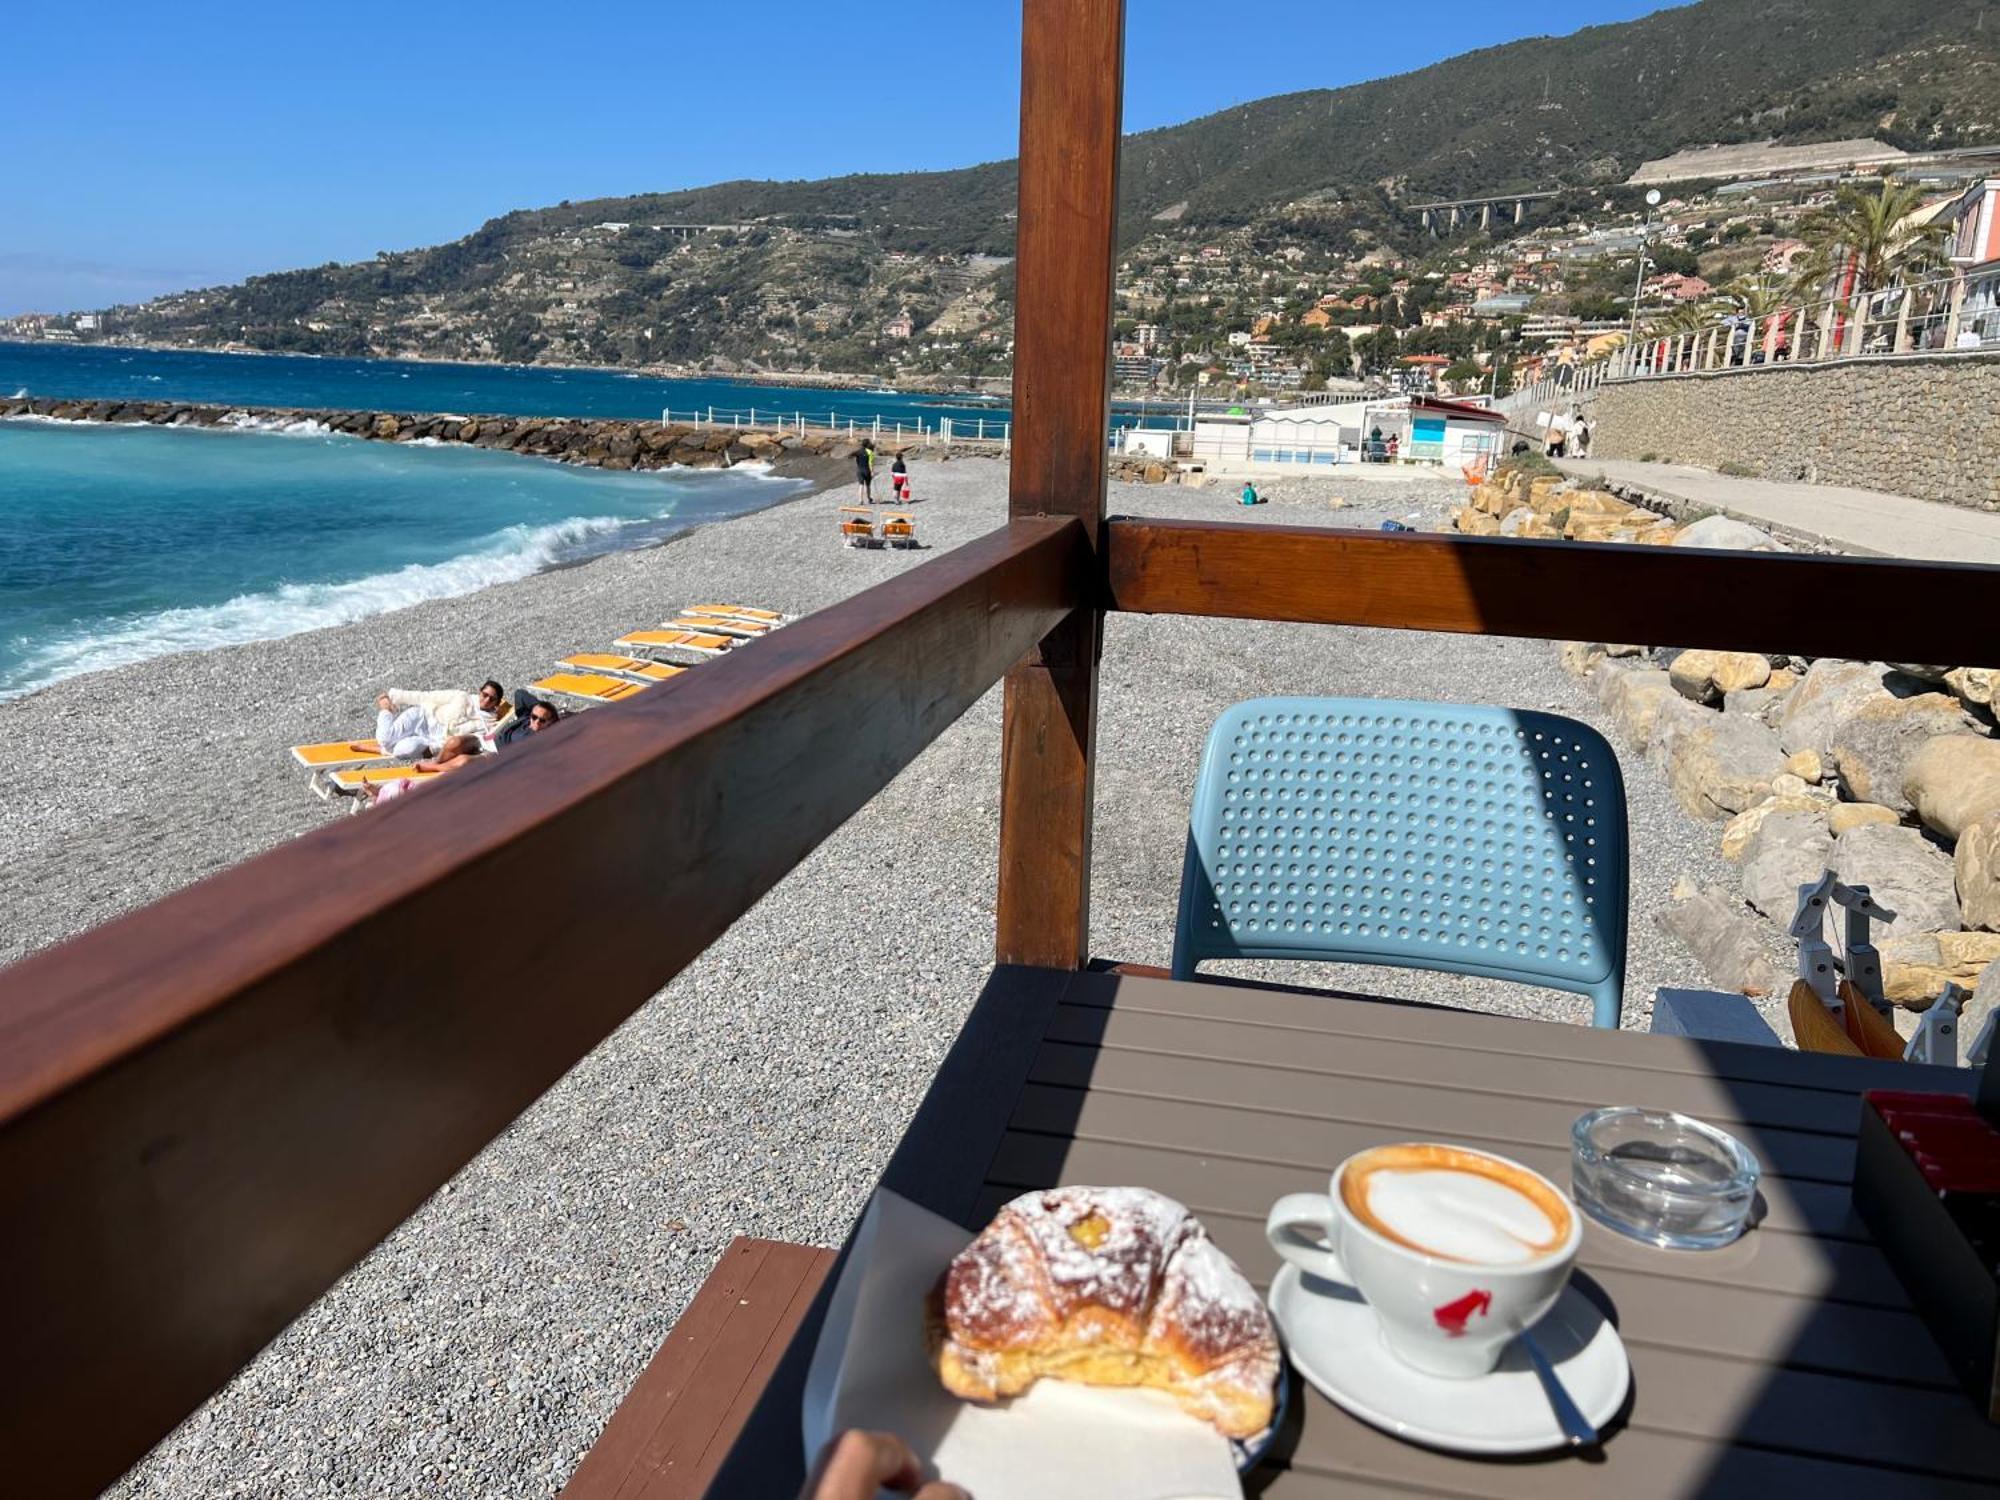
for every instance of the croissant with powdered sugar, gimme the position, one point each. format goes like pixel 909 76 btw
pixel 1107 1286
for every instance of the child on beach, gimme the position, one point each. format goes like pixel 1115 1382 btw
pixel 899 479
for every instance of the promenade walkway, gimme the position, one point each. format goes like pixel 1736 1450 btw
pixel 1866 522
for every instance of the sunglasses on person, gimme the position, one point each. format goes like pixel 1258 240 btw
pixel 541 718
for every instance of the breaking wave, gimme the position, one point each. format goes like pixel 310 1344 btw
pixel 292 608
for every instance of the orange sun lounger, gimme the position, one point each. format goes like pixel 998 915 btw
pixel 744 630
pixel 591 686
pixel 336 753
pixel 622 666
pixel 701 642
pixel 899 529
pixel 349 783
pixel 857 526
pixel 736 612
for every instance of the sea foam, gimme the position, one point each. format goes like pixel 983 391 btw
pixel 290 609
pixel 289 426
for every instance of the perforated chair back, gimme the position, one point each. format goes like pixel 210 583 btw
pixel 1486 841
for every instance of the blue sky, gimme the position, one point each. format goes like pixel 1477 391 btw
pixel 151 147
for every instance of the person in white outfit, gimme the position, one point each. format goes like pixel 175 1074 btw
pixel 418 723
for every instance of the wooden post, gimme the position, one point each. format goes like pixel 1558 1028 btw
pixel 1072 97
pixel 1901 345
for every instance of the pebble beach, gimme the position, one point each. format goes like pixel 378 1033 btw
pixel 481 1348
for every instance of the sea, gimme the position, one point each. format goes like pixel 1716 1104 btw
pixel 119 543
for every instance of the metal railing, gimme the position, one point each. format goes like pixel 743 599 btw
pixel 895 430
pixel 1918 318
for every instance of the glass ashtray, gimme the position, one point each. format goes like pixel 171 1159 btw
pixel 1661 1177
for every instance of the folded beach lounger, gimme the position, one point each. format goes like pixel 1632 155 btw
pixel 593 687
pixel 899 529
pixel 701 642
pixel 742 630
pixel 336 753
pixel 737 612
pixel 622 666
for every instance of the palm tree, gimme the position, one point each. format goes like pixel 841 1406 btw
pixel 1876 237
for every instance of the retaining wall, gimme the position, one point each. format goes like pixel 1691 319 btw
pixel 1927 427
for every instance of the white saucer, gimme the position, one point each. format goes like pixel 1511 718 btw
pixel 1336 1344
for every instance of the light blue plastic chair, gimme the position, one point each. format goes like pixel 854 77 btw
pixel 1486 841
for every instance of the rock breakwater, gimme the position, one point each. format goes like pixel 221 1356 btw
pixel 603 442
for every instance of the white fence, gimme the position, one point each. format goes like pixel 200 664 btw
pixel 1944 314
pixel 896 431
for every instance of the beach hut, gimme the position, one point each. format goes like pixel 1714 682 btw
pixel 1453 432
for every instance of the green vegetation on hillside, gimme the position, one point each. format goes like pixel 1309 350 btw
pixel 830 272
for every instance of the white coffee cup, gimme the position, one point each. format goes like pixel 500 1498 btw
pixel 1448 1292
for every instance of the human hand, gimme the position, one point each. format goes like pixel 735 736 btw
pixel 856 1464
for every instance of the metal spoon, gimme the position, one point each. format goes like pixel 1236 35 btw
pixel 1575 1428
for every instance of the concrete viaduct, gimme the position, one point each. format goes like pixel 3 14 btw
pixel 1455 207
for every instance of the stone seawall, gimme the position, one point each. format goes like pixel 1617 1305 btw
pixel 1924 427
pixel 605 443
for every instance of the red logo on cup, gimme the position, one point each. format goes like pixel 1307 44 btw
pixel 1453 1316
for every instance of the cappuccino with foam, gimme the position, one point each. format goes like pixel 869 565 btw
pixel 1455 1251
pixel 1457 1204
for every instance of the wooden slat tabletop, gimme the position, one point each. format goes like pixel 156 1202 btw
pixel 1791 1358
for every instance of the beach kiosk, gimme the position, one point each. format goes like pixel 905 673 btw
pixel 1453 432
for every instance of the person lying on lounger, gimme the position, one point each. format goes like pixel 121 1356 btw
pixel 418 723
pixel 532 713
pixel 457 752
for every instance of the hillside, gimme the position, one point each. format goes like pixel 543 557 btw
pixel 825 273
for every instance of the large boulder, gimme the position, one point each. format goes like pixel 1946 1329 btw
pixel 1789 850
pixel 1717 765
pixel 1872 748
pixel 1973 685
pixel 1579 658
pixel 1917 967
pixel 1845 815
pixel 1728 533
pixel 1953 780
pixel 1976 868
pixel 1704 676
pixel 1712 925
pixel 1826 696
pixel 1633 697
pixel 1739 832
pixel 1903 870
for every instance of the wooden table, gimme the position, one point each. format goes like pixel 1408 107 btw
pixel 1787 1363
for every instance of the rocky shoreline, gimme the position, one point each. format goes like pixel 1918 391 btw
pixel 601 442
pixel 1887 773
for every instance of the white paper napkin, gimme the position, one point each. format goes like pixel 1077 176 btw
pixel 1059 1441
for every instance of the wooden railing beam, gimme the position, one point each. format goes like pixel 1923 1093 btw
pixel 213 1107
pixel 1072 84
pixel 1868 609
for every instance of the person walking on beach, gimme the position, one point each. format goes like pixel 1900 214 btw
pixel 899 479
pixel 864 472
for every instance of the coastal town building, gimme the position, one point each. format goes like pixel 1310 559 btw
pixel 1975 257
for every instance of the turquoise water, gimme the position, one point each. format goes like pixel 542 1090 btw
pixel 122 543
pixel 87 372
pixel 101 373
